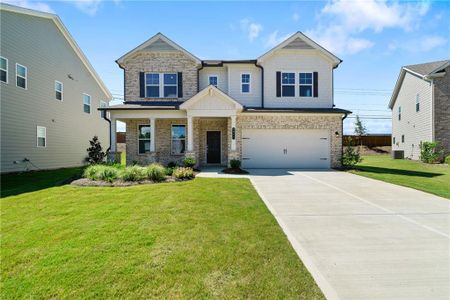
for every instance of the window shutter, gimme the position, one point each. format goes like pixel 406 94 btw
pixel 278 84
pixel 142 84
pixel 180 85
pixel 316 84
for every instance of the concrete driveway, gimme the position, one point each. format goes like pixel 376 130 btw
pixel 362 238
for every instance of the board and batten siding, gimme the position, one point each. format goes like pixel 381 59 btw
pixel 415 126
pixel 39 45
pixel 222 74
pixel 288 60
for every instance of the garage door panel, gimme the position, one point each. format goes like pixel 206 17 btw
pixel 285 148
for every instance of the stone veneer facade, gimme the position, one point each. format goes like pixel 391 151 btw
pixel 171 61
pixel 442 111
pixel 333 123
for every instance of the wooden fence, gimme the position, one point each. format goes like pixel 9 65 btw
pixel 368 140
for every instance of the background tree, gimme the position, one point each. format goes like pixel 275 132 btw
pixel 360 129
pixel 95 152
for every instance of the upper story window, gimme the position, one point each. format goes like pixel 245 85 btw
pixel 41 136
pixel 161 85
pixel 306 84
pixel 417 102
pixel 403 138
pixel 288 84
pixel 152 85
pixel 58 90
pixel 170 85
pixel 399 113
pixel 3 69
pixel 21 76
pixel 245 83
pixel 103 104
pixel 144 136
pixel 213 80
pixel 86 103
pixel 178 139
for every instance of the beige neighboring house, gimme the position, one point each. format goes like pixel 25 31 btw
pixel 420 107
pixel 49 94
pixel 276 111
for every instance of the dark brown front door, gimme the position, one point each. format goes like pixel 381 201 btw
pixel 213 147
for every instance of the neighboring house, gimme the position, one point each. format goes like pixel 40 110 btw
pixel 275 111
pixel 420 107
pixel 49 94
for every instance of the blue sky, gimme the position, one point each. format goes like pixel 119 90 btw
pixel 374 38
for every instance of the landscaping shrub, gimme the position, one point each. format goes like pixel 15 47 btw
pixel 169 171
pixel 447 160
pixel 133 173
pixel 171 164
pixel 91 172
pixel 430 152
pixel 189 162
pixel 183 173
pixel 102 172
pixel 156 172
pixel 95 152
pixel 235 163
pixel 351 157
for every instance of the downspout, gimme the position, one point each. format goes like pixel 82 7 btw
pixel 198 77
pixel 262 83
pixel 109 121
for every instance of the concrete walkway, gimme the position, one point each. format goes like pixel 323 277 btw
pixel 362 238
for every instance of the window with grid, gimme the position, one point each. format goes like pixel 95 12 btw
pixel 288 84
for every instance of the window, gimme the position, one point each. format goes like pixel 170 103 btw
pixel 212 80
pixel 417 102
pixel 288 84
pixel 245 83
pixel 103 104
pixel 41 136
pixel 58 90
pixel 86 103
pixel 3 69
pixel 306 84
pixel 170 85
pixel 21 76
pixel 178 139
pixel 144 137
pixel 403 138
pixel 152 85
pixel 393 140
pixel 399 113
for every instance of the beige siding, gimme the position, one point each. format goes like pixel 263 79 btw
pixel 37 44
pixel 252 99
pixel 415 126
pixel 222 74
pixel 298 61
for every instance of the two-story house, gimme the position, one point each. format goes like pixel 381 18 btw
pixel 49 94
pixel 420 107
pixel 275 111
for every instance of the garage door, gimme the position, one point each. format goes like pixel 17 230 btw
pixel 285 148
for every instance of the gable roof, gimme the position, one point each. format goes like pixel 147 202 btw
pixel 300 41
pixel 67 36
pixel 210 90
pixel 158 42
pixel 424 71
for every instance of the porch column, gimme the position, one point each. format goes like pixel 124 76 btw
pixel 233 133
pixel 113 145
pixel 152 134
pixel 190 134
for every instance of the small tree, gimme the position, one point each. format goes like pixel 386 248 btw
pixel 95 152
pixel 431 152
pixel 360 129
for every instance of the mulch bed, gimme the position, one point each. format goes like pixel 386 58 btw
pixel 238 171
pixel 89 182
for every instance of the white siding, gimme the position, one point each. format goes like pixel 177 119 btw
pixel 415 126
pixel 252 99
pixel 221 72
pixel 298 61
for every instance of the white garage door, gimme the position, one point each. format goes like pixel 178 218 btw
pixel 285 148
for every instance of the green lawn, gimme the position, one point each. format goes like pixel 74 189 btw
pixel 205 238
pixel 433 179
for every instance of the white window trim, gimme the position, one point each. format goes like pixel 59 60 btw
pixel 139 139
pixel 171 139
pixel 37 136
pixel 90 103
pixel 249 83
pixel 161 84
pixel 295 84
pixel 6 70
pixel 312 84
pixel 213 75
pixel 26 76
pixel 100 106
pixel 62 90
pixel 399 116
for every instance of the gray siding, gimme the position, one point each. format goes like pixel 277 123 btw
pixel 222 74
pixel 39 45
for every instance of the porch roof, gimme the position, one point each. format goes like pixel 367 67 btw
pixel 297 110
pixel 145 105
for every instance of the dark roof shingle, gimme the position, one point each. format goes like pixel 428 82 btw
pixel 426 68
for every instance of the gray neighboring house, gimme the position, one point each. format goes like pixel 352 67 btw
pixel 275 111
pixel 420 107
pixel 49 94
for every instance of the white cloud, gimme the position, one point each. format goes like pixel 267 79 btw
pixel 274 39
pixel 31 5
pixel 250 29
pixel 295 17
pixel 89 7
pixel 419 44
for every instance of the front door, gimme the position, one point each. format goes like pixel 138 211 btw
pixel 213 147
